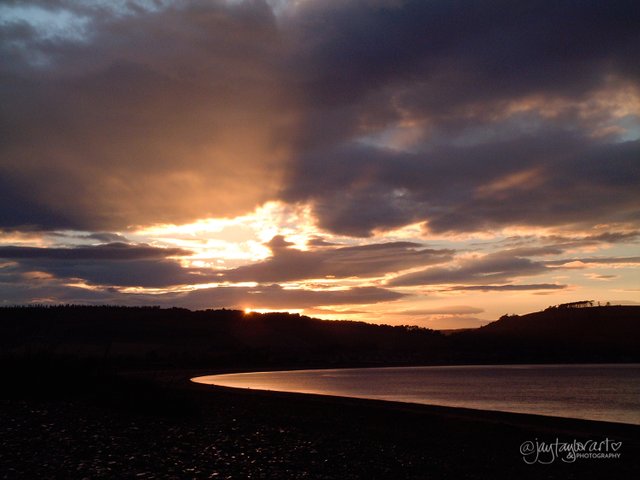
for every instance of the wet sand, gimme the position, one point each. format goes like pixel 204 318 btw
pixel 175 429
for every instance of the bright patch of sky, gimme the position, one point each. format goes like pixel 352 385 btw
pixel 629 128
pixel 230 242
pixel 226 243
pixel 72 20
pixel 49 24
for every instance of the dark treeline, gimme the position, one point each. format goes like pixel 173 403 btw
pixel 151 337
pixel 558 334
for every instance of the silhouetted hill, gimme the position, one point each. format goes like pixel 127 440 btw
pixel 568 334
pixel 218 339
pixel 212 338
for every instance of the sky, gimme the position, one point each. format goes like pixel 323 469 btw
pixel 434 163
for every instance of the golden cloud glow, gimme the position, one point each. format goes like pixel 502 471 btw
pixel 229 242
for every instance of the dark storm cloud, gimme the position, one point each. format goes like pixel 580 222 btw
pixel 144 114
pixel 287 264
pixel 450 53
pixel 110 264
pixel 492 268
pixel 109 251
pixel 369 66
pixel 160 115
pixel 138 273
pixel 546 180
pixel 105 237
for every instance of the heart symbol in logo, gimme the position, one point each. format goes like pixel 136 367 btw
pixel 616 446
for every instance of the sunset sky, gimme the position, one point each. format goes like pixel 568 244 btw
pixel 430 162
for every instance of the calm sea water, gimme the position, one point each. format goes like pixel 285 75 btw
pixel 595 392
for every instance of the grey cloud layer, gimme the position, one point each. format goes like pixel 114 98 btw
pixel 162 116
pixel 118 264
pixel 450 52
pixel 109 251
pixel 210 108
pixel 492 268
pixel 43 275
pixel 356 189
pixel 31 274
pixel 16 290
pixel 452 72
pixel 274 296
pixel 287 264
pixel 483 273
pixel 114 264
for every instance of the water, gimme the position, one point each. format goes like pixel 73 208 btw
pixel 594 392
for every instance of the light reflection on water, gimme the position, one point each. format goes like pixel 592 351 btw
pixel 595 392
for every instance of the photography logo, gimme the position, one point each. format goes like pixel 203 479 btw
pixel 538 451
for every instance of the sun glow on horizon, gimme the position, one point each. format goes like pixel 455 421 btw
pixel 236 240
pixel 293 311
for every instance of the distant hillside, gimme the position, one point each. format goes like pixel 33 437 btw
pixel 224 338
pixel 610 333
pixel 611 323
pixel 150 337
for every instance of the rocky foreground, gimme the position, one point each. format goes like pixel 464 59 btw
pixel 172 429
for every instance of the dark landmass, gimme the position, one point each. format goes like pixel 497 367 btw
pixel 161 338
pixel 103 392
pixel 154 337
pixel 558 334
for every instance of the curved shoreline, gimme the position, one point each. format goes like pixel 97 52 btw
pixel 313 382
pixel 559 425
